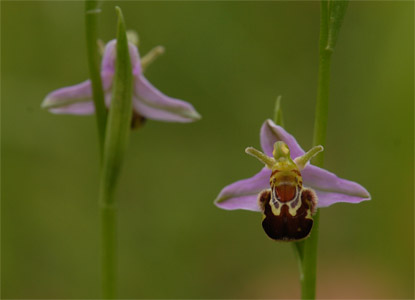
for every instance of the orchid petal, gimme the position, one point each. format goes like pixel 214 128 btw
pixel 108 59
pixel 271 133
pixel 331 189
pixel 243 194
pixel 153 104
pixel 76 99
pixel 326 199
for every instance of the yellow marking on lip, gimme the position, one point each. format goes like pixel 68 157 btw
pixel 275 211
pixel 308 216
pixel 293 210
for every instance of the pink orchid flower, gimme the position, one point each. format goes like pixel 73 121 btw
pixel 329 188
pixel 289 189
pixel 148 101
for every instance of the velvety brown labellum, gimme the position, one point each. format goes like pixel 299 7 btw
pixel 282 224
pixel 285 192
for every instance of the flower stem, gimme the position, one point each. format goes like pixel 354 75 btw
pixel 91 13
pixel 321 113
pixel 109 250
pixel 309 246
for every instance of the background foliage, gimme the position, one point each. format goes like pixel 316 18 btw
pixel 231 60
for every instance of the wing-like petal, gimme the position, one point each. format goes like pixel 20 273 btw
pixel 76 99
pixel 149 102
pixel 329 198
pixel 108 59
pixel 243 194
pixel 271 133
pixel 331 189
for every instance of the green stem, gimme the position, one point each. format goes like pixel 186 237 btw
pixel 109 250
pixel 309 262
pixel 321 113
pixel 94 59
pixel 309 246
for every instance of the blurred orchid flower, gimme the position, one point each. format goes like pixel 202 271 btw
pixel 148 101
pixel 330 189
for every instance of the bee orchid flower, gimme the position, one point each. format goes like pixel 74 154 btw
pixel 289 189
pixel 148 101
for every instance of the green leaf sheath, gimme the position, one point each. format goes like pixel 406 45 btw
pixel 278 118
pixel 119 119
pixel 337 10
pixel 116 139
pixel 94 59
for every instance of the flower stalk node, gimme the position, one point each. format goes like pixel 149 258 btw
pixel 93 11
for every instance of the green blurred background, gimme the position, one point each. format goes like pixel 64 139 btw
pixel 230 60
